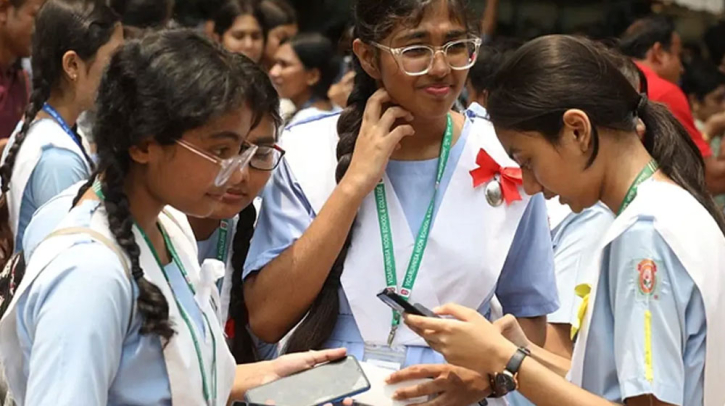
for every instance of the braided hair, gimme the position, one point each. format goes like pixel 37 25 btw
pixel 243 347
pixel 159 87
pixel 82 26
pixel 373 22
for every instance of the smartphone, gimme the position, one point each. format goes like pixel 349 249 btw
pixel 399 304
pixel 326 383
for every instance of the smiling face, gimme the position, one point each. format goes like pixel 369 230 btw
pixel 17 24
pixel 557 169
pixel 433 94
pixel 289 75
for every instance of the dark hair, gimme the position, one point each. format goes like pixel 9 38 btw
pixel 144 13
pixel 644 33
pixel 277 13
pixel 316 51
pixel 373 22
pixel 714 42
pixel 701 77
pixel 231 9
pixel 243 347
pixel 568 71
pixel 82 26
pixel 489 59
pixel 159 87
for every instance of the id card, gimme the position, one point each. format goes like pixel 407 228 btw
pixel 392 358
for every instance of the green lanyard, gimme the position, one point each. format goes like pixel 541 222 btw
pixel 645 174
pixel 221 245
pixel 421 241
pixel 209 398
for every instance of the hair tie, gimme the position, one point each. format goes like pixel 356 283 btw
pixel 641 103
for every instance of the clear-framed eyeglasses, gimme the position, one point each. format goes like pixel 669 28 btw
pixel 417 60
pixel 228 166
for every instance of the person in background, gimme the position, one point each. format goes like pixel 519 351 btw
pixel 704 86
pixel 489 59
pixel 303 72
pixel 226 234
pixel 281 20
pixel 72 44
pixel 239 26
pixel 655 47
pixel 17 21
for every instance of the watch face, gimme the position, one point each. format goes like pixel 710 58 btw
pixel 504 383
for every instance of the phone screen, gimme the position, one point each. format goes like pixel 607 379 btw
pixel 325 383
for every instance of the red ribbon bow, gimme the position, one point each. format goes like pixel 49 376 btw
pixel 510 177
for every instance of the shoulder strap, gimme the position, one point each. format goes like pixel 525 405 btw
pixel 108 243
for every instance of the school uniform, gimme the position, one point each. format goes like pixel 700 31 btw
pixel 71 335
pixel 474 250
pixel 219 246
pixel 653 320
pixel 49 161
pixel 574 239
pixel 311 113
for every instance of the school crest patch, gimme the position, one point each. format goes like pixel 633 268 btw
pixel 647 280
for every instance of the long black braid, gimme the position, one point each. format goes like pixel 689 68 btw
pixel 373 22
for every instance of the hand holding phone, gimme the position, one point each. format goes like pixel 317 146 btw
pixel 399 304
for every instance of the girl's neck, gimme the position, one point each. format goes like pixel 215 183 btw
pixel 626 161
pixel 144 206
pixel 203 227
pixel 302 99
pixel 324 105
pixel 7 59
pixel 65 105
pixel 426 142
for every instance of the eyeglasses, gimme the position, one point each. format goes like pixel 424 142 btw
pixel 227 166
pixel 417 60
pixel 267 157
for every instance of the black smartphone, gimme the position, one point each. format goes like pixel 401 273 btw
pixel 399 304
pixel 326 383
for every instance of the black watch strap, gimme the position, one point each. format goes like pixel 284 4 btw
pixel 518 358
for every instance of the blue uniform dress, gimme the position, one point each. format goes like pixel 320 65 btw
pixel 56 170
pixel 615 365
pixel 47 218
pixel 208 250
pixel 526 287
pixel 72 325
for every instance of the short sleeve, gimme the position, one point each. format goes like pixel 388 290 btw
pixel 573 249
pixel 73 321
pixel 527 285
pixel 645 281
pixel 284 216
pixel 57 170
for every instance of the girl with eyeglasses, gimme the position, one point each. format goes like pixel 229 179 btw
pixel 226 234
pixel 427 204
pixel 114 308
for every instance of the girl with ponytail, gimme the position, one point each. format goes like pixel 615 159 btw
pixel 72 44
pixel 414 210
pixel 649 330
pixel 114 308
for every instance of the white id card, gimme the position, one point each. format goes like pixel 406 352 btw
pixel 392 358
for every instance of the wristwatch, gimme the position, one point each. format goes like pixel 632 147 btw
pixel 505 382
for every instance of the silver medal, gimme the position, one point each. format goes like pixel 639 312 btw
pixel 494 193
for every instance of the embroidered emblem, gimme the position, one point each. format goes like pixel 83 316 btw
pixel 647 270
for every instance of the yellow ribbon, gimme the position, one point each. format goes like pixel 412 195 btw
pixel 582 291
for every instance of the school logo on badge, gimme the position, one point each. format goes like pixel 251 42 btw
pixel 647 270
